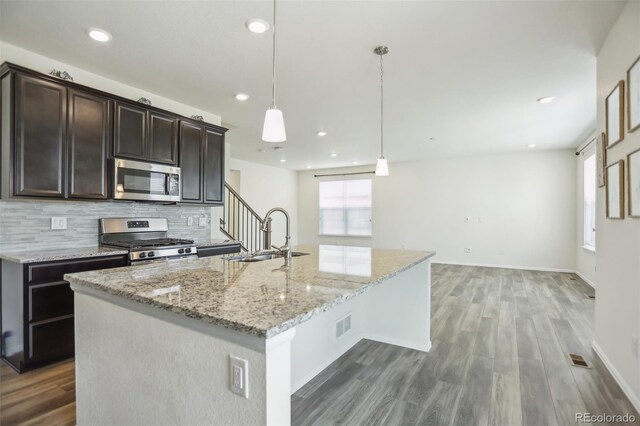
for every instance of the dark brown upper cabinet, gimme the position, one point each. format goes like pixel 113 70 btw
pixel 40 130
pixel 191 142
pixel 88 136
pixel 163 138
pixel 213 165
pixel 57 138
pixel 201 163
pixel 130 131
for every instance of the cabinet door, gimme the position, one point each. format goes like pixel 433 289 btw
pixel 40 131
pixel 130 132
pixel 51 340
pixel 213 166
pixel 163 138
pixel 191 137
pixel 87 144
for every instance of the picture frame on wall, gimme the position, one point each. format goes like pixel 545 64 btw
pixel 633 96
pixel 633 183
pixel 601 159
pixel 615 190
pixel 614 112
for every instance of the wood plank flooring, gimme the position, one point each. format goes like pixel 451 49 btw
pixel 41 397
pixel 500 342
pixel 499 357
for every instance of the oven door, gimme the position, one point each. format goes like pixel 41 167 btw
pixel 135 180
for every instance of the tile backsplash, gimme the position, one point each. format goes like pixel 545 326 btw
pixel 26 225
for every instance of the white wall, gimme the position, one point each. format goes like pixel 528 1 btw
pixel 618 241
pixel 265 187
pixel 585 258
pixel 525 202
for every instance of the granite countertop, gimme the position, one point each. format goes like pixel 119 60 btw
pixel 49 255
pixel 259 298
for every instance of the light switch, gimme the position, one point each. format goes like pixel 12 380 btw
pixel 239 372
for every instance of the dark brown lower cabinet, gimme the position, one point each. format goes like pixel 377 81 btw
pixel 37 309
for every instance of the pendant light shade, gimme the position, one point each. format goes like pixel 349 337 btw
pixel 273 130
pixel 382 168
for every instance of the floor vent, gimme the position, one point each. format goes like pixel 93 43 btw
pixel 578 361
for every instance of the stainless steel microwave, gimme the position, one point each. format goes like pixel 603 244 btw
pixel 136 180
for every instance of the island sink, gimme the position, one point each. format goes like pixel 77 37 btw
pixel 258 257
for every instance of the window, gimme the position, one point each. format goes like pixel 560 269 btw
pixel 345 207
pixel 590 201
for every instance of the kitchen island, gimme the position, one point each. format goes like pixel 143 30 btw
pixel 154 341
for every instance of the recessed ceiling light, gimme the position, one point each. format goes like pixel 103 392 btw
pixel 308 167
pixel 282 160
pixel 333 154
pixel 257 25
pixel 354 163
pixel 321 133
pixel 432 138
pixel 531 145
pixel 242 96
pixel 99 35
pixel 546 100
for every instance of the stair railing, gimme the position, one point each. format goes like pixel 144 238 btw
pixel 240 222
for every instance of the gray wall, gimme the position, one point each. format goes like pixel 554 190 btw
pixel 26 225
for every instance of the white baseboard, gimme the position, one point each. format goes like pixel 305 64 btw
pixel 425 347
pixel 586 280
pixel 617 376
pixel 489 265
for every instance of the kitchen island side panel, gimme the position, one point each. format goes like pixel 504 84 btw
pixel 132 368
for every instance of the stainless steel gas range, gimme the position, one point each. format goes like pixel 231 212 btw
pixel 145 238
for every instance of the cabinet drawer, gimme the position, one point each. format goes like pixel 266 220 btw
pixel 48 272
pixel 50 300
pixel 51 340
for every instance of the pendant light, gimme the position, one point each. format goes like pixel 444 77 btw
pixel 273 130
pixel 382 168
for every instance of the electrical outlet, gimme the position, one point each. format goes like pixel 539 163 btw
pixel 634 345
pixel 467 250
pixel 58 222
pixel 190 221
pixel 202 221
pixel 239 376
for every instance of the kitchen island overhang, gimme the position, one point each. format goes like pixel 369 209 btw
pixel 153 342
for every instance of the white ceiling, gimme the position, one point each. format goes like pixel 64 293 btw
pixel 467 73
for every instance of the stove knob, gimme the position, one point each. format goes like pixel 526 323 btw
pixel 180 251
pixel 151 254
pixel 187 250
pixel 143 255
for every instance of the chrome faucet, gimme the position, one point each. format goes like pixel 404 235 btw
pixel 266 230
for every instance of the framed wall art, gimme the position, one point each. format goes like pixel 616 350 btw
pixel 601 159
pixel 614 111
pixel 633 183
pixel 633 96
pixel 615 190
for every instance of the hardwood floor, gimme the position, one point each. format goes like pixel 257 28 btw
pixel 500 342
pixel 41 397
